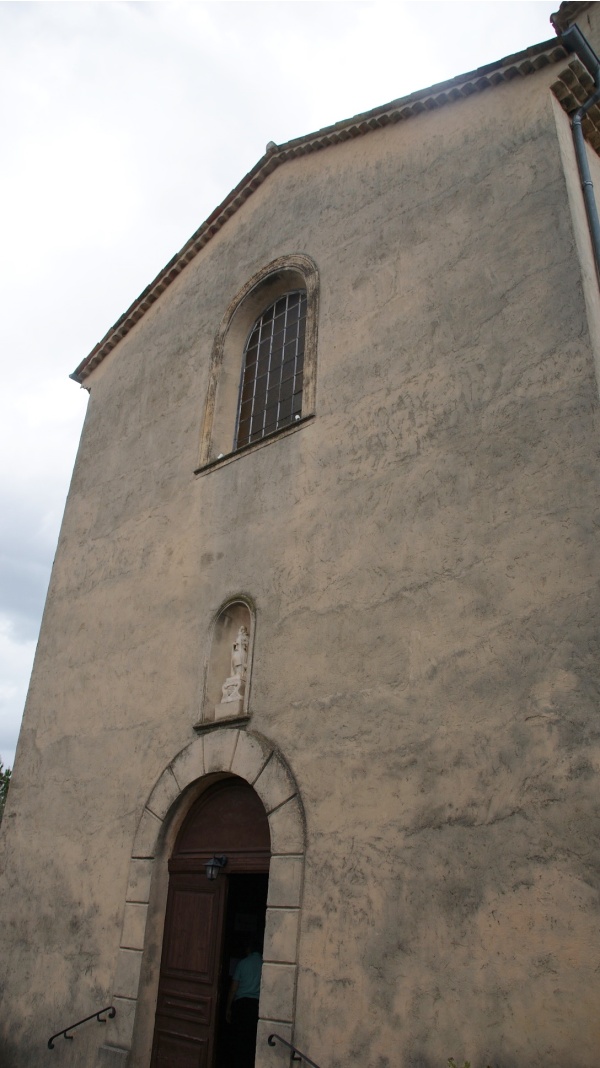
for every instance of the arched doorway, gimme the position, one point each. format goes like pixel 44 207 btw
pixel 225 752
pixel 207 920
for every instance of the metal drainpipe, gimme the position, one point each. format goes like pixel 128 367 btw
pixel 575 42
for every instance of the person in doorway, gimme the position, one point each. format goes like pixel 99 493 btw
pixel 242 1004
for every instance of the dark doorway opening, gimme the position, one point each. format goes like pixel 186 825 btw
pixel 244 915
pixel 202 921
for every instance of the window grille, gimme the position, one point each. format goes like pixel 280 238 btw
pixel 271 390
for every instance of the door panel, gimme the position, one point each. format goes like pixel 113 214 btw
pixel 228 818
pixel 174 1050
pixel 190 927
pixel 189 973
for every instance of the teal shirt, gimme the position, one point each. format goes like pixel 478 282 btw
pixel 247 974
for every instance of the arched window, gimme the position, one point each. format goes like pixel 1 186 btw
pixel 273 373
pixel 263 368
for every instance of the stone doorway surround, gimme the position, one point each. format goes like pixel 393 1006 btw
pixel 221 751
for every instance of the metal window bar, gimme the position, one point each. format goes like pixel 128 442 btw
pixel 262 375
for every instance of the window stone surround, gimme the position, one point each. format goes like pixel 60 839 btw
pixel 294 271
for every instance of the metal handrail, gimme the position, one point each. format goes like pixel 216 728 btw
pixel 110 1009
pixel 297 1054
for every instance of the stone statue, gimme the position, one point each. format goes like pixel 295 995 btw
pixel 234 686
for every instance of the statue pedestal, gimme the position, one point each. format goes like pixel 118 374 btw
pixel 229 709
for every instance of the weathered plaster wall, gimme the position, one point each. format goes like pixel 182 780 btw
pixel 423 563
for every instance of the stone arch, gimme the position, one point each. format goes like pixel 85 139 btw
pixel 224 751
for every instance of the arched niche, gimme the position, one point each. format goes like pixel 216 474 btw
pixel 229 667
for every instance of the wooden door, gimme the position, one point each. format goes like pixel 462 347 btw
pixel 229 819
pixel 189 973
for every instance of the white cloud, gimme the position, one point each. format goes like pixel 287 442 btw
pixel 16 659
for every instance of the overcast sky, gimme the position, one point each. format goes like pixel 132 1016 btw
pixel 123 125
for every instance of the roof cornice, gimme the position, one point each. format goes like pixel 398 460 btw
pixel 567 14
pixel 519 65
pixel 573 86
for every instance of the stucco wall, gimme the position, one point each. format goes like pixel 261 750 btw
pixel 423 565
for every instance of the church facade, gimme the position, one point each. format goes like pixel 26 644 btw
pixel 320 657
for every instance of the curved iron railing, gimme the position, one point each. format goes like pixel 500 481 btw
pixel 297 1054
pixel 110 1009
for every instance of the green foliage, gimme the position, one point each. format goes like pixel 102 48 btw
pixel 4 783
